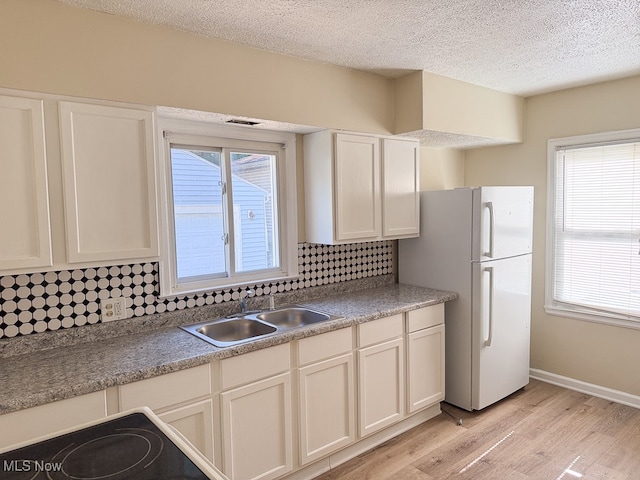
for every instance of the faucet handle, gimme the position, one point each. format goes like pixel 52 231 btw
pixel 244 296
pixel 247 293
pixel 272 302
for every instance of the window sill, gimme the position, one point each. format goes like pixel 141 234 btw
pixel 604 318
pixel 167 291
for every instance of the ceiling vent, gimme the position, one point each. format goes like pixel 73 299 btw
pixel 237 121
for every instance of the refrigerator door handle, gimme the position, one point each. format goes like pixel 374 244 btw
pixel 492 226
pixel 487 342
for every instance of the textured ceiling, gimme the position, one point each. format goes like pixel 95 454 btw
pixel 523 47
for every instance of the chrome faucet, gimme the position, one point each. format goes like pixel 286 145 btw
pixel 244 298
pixel 272 302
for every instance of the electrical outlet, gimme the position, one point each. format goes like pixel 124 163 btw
pixel 113 309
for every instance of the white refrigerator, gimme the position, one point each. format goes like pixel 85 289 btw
pixel 478 242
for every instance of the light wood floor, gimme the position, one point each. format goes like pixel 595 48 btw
pixel 543 432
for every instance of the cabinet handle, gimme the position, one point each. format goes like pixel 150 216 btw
pixel 487 342
pixel 491 229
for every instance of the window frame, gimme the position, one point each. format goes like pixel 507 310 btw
pixel 551 305
pixel 197 134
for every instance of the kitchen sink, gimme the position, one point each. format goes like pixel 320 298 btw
pixel 248 326
pixel 225 333
pixel 292 317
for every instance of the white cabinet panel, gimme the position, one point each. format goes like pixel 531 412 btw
pixel 327 408
pixel 31 423
pixel 357 177
pixel 24 217
pixel 195 423
pixel 350 196
pixel 425 317
pixel 109 182
pixel 252 366
pixel 400 189
pixel 425 368
pixel 257 433
pixel 377 331
pixel 166 390
pixel 380 385
pixel 182 399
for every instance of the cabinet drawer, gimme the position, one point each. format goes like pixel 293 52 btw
pixel 425 317
pixel 165 390
pixel 23 425
pixel 323 346
pixel 380 330
pixel 253 366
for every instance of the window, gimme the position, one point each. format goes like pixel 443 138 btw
pixel 593 228
pixel 230 208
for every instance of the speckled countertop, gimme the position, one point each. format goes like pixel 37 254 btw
pixel 85 365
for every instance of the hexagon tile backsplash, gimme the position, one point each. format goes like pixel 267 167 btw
pixel 32 303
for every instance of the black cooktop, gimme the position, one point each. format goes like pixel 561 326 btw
pixel 128 447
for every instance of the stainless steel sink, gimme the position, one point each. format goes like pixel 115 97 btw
pixel 245 327
pixel 225 333
pixel 292 317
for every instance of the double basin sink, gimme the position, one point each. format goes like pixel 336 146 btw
pixel 226 332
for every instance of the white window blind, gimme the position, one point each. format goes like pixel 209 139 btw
pixel 596 229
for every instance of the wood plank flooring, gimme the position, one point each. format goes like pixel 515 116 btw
pixel 542 432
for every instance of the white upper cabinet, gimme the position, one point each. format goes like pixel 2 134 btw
pixel 109 182
pixel 360 187
pixel 400 189
pixel 24 216
pixel 357 187
pixel 78 180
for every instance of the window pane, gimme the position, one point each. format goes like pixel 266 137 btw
pixel 597 228
pixel 254 207
pixel 199 213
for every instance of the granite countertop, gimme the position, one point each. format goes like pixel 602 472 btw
pixel 58 372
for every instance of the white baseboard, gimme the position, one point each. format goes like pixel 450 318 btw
pixel 584 387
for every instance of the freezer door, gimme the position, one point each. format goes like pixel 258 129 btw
pixel 502 222
pixel 500 328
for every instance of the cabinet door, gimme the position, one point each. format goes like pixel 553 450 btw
pixel 257 429
pixel 109 182
pixel 195 423
pixel 327 409
pixel 425 368
pixel 357 187
pixel 400 189
pixel 24 216
pixel 380 385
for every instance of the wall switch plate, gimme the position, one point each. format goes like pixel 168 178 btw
pixel 113 309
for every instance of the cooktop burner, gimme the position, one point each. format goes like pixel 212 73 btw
pixel 129 447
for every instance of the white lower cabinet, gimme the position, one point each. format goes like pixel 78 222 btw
pixel 425 357
pixel 425 368
pixel 257 429
pixel 326 394
pixel 30 423
pixel 380 385
pixel 195 423
pixel 297 405
pixel 380 374
pixel 256 418
pixel 182 399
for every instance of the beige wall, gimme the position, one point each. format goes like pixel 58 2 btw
pixel 441 168
pixel 591 352
pixel 50 47
pixel 425 101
